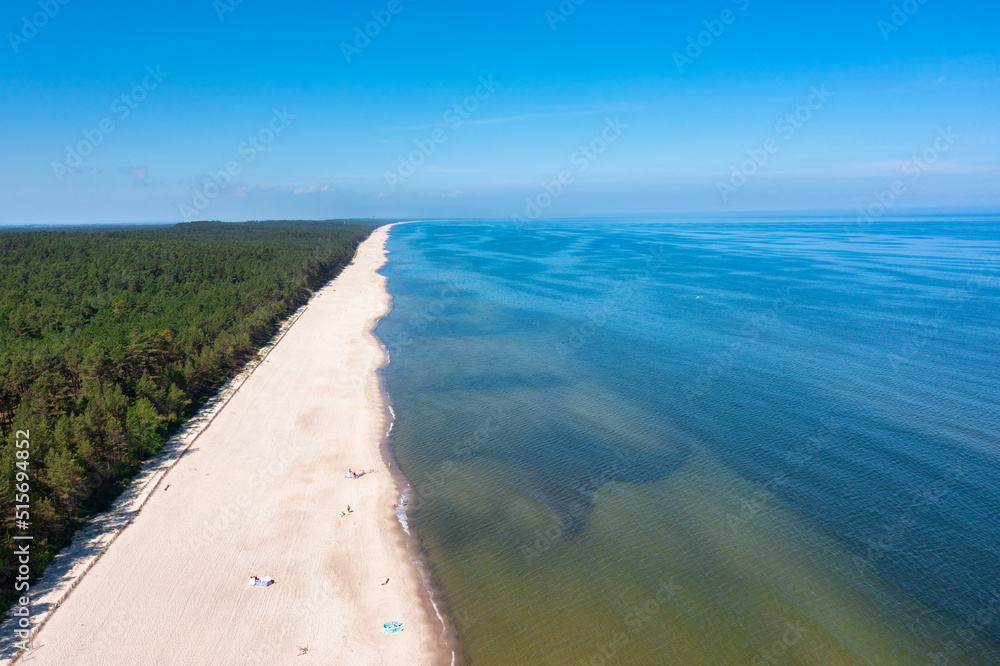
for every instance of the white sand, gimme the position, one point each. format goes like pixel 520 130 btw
pixel 260 493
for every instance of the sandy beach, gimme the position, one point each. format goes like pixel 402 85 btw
pixel 261 493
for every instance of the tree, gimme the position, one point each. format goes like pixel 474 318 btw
pixel 110 339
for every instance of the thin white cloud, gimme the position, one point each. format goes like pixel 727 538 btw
pixel 524 116
pixel 140 172
pixel 483 121
pixel 880 168
pixel 504 119
pixel 311 189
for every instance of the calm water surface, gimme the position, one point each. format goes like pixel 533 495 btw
pixel 704 442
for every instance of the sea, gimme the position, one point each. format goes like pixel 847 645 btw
pixel 702 440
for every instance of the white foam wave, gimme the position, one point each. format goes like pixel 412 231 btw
pixel 401 505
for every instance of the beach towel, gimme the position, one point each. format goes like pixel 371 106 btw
pixel 260 582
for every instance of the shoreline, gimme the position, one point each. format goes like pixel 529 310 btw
pixel 432 599
pixel 260 495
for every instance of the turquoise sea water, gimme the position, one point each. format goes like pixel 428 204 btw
pixel 704 442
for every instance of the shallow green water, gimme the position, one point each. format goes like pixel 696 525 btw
pixel 702 443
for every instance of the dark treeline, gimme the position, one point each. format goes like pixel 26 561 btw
pixel 109 340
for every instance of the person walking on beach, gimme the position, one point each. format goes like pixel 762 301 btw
pixel 348 508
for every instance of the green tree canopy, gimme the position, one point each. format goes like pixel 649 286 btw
pixel 110 339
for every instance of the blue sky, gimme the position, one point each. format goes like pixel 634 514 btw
pixel 595 93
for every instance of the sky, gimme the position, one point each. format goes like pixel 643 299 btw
pixel 245 109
